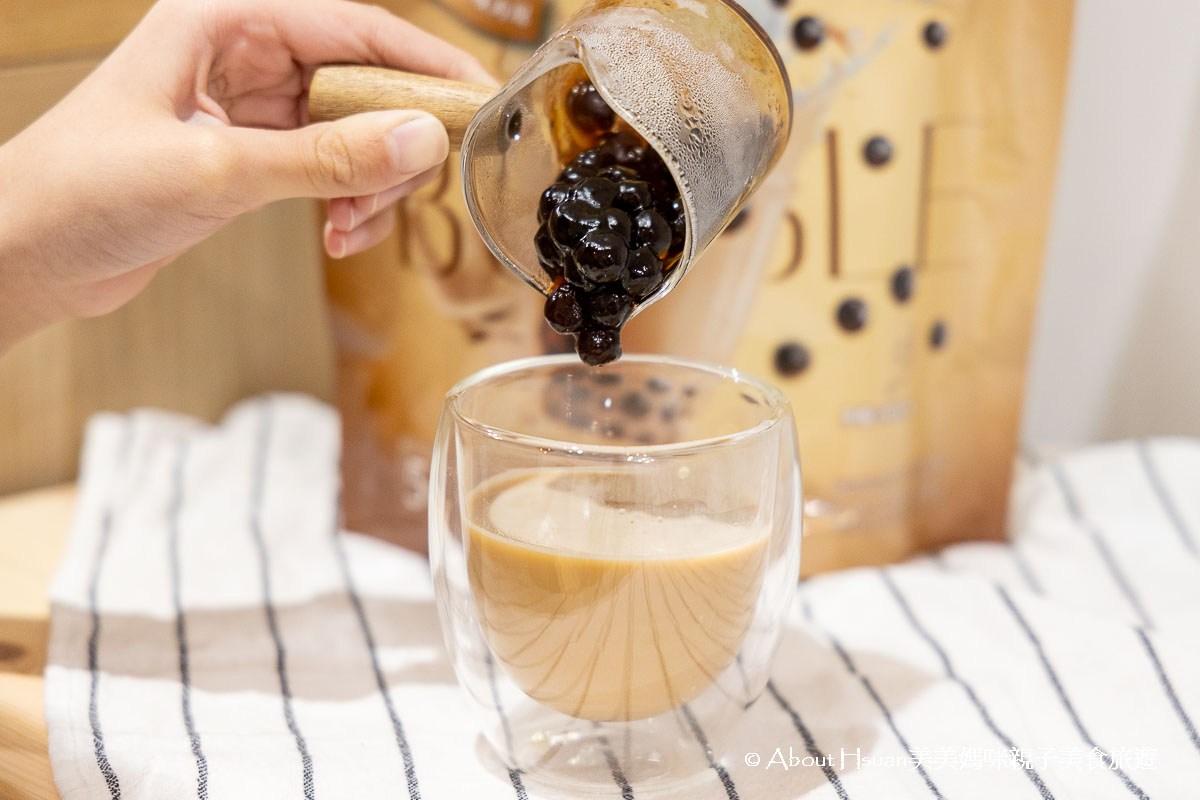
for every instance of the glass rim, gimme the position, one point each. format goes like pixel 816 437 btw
pixel 775 401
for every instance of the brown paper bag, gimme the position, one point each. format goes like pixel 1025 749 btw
pixel 884 277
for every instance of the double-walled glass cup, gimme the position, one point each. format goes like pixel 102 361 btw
pixel 613 553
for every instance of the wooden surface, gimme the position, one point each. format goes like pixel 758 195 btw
pixel 33 537
pixel 338 92
pixel 34 31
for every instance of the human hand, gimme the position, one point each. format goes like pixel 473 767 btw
pixel 197 117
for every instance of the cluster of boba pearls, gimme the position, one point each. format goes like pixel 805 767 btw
pixel 793 358
pixel 609 228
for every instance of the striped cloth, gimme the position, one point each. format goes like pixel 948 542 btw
pixel 214 635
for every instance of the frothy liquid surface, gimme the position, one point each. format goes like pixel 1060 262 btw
pixel 601 610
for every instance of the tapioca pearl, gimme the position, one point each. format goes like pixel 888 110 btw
pixel 588 110
pixel 643 273
pixel 595 158
pixel 617 221
pixel 608 308
pixel 852 315
pixel 652 231
pixel 599 346
pixel 570 221
pixel 555 194
pixel 597 192
pixel 633 196
pixel 601 256
pixel 563 311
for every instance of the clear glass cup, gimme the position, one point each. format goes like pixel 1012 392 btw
pixel 613 554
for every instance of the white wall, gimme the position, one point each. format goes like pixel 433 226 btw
pixel 1117 337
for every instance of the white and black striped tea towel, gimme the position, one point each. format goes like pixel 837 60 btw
pixel 215 636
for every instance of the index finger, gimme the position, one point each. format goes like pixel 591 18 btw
pixel 339 31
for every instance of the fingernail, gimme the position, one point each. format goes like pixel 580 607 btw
pixel 335 242
pixel 418 144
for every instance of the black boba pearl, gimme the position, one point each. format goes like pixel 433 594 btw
pixel 555 193
pixel 617 221
pixel 548 254
pixel 616 173
pixel 635 405
pixel 852 315
pixel 599 346
pixel 600 256
pixel 574 173
pixel 563 310
pixel 587 108
pixel 652 231
pixel 576 278
pixel 877 151
pixel 569 221
pixel 643 274
pixel 674 213
pixel 935 35
pixel 808 32
pixel 903 281
pixel 791 359
pixel 938 334
pixel 627 148
pixel 633 196
pixel 593 159
pixel 607 308
pixel 596 192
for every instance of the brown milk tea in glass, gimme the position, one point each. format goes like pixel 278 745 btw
pixel 612 580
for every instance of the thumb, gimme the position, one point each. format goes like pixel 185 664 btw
pixel 361 154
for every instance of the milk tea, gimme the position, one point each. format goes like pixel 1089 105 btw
pixel 601 605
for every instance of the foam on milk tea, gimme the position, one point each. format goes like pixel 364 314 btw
pixel 600 605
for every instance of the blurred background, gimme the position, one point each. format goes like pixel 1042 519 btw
pixel 1115 335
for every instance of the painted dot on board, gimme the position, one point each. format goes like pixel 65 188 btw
pixel 808 32
pixel 852 315
pixel 791 359
pixel 935 35
pixel 903 283
pixel 938 334
pixel 877 151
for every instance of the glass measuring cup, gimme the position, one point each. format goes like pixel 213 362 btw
pixel 699 80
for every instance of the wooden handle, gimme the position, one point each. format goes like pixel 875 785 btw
pixel 340 91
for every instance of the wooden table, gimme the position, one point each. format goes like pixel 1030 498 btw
pixel 33 537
